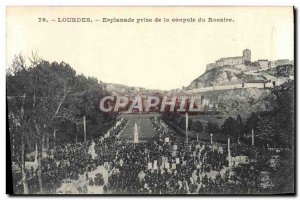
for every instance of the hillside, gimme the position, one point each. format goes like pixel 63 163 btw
pixel 229 75
pixel 281 71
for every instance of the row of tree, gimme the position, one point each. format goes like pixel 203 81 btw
pixel 46 105
pixel 274 127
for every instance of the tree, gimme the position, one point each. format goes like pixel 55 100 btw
pixel 45 98
pixel 197 126
pixel 240 125
pixel 181 122
pixel 229 127
pixel 283 178
pixel 251 122
pixel 212 128
pixel 18 122
pixel 277 125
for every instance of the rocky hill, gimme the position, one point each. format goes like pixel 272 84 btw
pixel 229 75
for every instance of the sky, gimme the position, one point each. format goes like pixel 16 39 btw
pixel 151 55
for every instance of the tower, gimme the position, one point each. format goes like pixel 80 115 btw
pixel 247 56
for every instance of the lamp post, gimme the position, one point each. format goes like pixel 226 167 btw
pixel 252 137
pixel 229 153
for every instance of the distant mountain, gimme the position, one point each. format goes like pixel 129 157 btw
pixel 120 89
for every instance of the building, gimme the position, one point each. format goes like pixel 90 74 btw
pixel 271 64
pixel 245 59
pixel 263 64
pixel 247 56
pixel 244 62
pixel 230 61
pixel 281 62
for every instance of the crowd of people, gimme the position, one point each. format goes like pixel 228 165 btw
pixel 165 164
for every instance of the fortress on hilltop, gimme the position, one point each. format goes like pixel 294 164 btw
pixel 238 60
pixel 244 62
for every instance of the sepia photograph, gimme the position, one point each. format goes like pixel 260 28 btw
pixel 157 100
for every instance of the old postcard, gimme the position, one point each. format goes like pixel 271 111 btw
pixel 150 100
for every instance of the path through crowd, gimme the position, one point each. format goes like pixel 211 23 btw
pixel 71 186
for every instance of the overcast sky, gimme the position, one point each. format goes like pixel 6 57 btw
pixel 151 55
